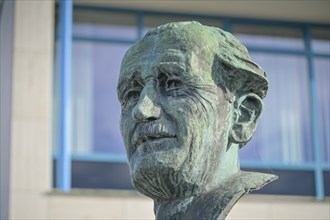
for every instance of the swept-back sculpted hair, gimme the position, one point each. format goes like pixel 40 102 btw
pixel 232 67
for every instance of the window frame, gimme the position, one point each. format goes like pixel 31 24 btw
pixel 318 167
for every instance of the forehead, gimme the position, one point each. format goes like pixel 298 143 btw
pixel 169 49
pixel 151 52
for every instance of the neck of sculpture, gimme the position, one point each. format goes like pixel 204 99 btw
pixel 229 165
pixel 174 209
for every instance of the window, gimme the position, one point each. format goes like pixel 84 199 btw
pixel 322 78
pixel 263 36
pixel 288 140
pixel 292 139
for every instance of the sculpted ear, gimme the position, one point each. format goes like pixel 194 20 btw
pixel 248 109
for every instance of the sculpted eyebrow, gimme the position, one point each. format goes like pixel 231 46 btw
pixel 127 81
pixel 178 70
pixel 173 69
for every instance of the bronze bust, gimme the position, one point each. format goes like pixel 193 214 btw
pixel 191 98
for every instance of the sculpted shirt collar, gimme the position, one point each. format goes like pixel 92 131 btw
pixel 217 203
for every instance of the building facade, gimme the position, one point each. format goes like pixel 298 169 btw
pixel 292 139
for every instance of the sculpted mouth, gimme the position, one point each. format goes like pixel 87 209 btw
pixel 152 133
pixel 151 137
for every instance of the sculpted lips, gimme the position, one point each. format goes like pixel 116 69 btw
pixel 151 132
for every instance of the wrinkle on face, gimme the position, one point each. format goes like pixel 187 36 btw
pixel 180 83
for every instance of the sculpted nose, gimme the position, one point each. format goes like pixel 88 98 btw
pixel 146 109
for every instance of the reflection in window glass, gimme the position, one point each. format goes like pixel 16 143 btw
pixel 82 97
pixel 270 37
pixel 104 24
pixel 96 110
pixel 284 132
pixel 321 40
pixel 152 21
pixel 322 78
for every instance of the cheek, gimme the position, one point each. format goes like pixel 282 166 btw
pixel 189 107
pixel 126 123
pixel 188 116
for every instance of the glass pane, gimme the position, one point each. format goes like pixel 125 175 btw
pixel 322 78
pixel 96 110
pixel 152 21
pixel 270 37
pixel 89 23
pixel 321 40
pixel 284 133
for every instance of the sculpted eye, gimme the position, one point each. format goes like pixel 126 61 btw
pixel 173 84
pixel 131 96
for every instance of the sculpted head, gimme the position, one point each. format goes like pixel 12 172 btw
pixel 190 99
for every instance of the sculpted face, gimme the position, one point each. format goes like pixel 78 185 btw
pixel 190 97
pixel 174 116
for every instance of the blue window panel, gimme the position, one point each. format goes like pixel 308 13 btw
pixel 104 24
pixel 321 46
pixel 321 40
pixel 322 78
pixel 284 185
pixel 284 132
pixel 269 37
pixel 107 59
pixel 95 104
pixel 82 88
pixel 104 175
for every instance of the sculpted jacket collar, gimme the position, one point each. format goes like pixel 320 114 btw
pixel 217 203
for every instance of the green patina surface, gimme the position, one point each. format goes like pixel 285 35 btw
pixel 190 97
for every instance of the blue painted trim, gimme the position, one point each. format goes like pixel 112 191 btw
pixel 315 118
pixel 321 55
pixel 103 40
pixel 114 158
pixel 64 165
pixel 96 157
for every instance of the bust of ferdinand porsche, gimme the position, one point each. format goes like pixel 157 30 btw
pixel 191 98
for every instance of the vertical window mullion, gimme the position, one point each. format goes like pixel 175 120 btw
pixel 227 25
pixel 64 158
pixel 314 114
pixel 140 24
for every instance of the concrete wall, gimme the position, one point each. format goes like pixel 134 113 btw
pixel 6 52
pixel 98 204
pixel 30 160
pixel 280 207
pixel 30 193
pixel 125 205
